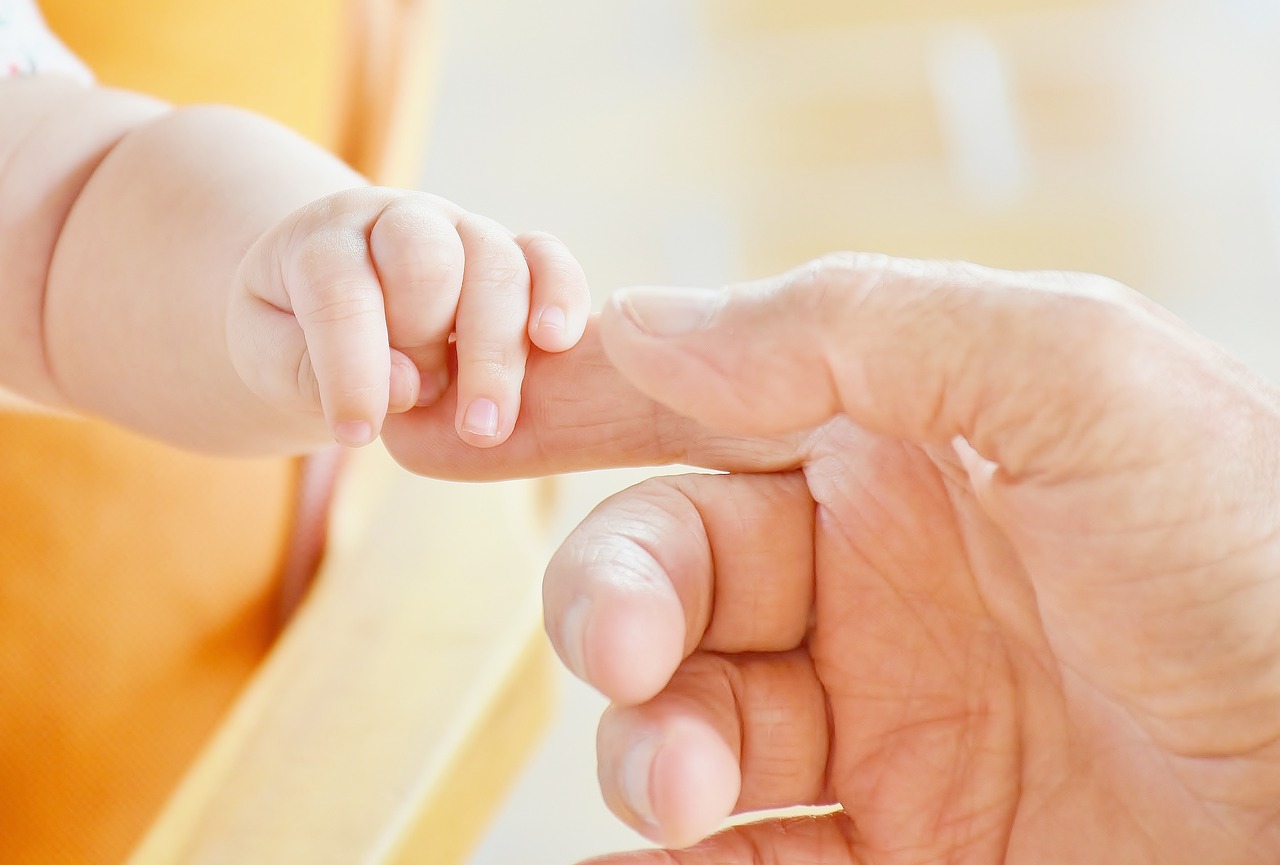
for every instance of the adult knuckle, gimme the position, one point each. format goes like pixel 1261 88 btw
pixel 830 291
pixel 1108 323
pixel 1104 343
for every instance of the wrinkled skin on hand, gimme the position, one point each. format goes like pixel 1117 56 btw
pixel 996 571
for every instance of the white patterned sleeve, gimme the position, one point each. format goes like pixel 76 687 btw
pixel 28 48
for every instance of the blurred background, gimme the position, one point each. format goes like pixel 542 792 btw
pixel 695 142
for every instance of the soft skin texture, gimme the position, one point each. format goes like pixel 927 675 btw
pixel 205 277
pixel 996 570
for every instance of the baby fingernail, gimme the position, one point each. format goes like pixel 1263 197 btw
pixel 670 311
pixel 637 774
pixel 552 319
pixel 481 418
pixel 353 434
pixel 573 637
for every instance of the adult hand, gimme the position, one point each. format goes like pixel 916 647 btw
pixel 1000 575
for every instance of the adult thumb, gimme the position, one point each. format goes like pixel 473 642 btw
pixel 1015 363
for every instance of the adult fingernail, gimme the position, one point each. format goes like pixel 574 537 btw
pixel 551 319
pixel 353 434
pixel 481 418
pixel 636 780
pixel 670 311
pixel 573 637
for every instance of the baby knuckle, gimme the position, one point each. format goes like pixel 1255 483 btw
pixel 491 355
pixel 319 254
pixel 430 263
pixel 563 277
pixel 496 260
pixel 343 301
pixel 543 247
pixel 503 275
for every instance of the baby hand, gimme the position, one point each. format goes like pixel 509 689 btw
pixel 346 309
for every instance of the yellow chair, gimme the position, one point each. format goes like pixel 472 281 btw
pixel 391 715
pixel 153 703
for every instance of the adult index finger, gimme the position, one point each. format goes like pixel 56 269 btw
pixel 578 414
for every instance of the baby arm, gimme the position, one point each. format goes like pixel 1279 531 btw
pixel 206 277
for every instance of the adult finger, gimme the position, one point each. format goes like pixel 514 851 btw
pixel 828 839
pixel 1019 365
pixel 578 414
pixel 729 734
pixel 720 563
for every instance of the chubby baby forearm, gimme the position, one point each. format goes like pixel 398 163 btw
pixel 205 277
pixel 144 221
pixel 145 265
pixel 55 134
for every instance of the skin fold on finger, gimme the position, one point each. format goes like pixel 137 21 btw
pixel 923 351
pixel 335 295
pixel 307 313
pixel 492 339
pixel 561 300
pixel 578 414
pixel 420 261
pixel 282 338
pixel 828 839
pixel 767 711
pixel 405 384
pixel 718 562
pixel 280 371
